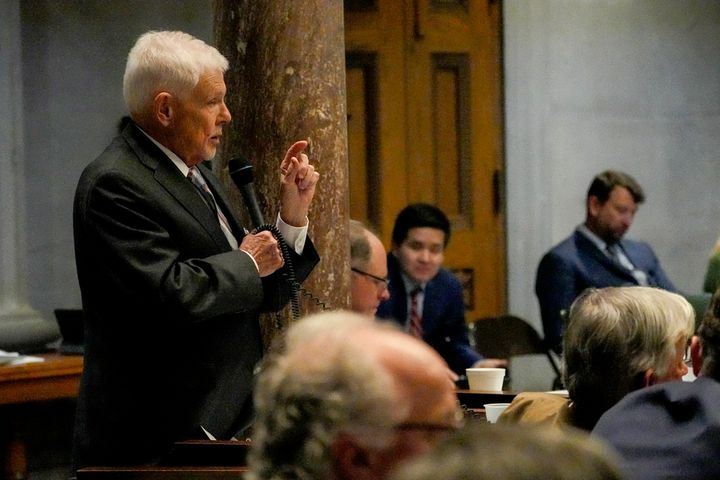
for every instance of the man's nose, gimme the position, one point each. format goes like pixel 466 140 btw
pixel 628 219
pixel 225 115
pixel 384 294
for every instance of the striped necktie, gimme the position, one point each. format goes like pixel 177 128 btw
pixel 196 178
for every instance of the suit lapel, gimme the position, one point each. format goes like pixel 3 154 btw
pixel 590 249
pixel 222 201
pixel 630 253
pixel 430 304
pixel 170 178
pixel 399 298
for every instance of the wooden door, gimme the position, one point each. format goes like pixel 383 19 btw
pixel 425 124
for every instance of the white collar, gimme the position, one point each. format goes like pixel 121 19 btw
pixel 184 169
pixel 590 235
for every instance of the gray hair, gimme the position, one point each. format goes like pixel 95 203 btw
pixel 166 61
pixel 514 452
pixel 614 335
pixel 359 245
pixel 324 383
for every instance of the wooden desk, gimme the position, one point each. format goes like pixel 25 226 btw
pixel 477 398
pixel 190 460
pixel 161 473
pixel 57 377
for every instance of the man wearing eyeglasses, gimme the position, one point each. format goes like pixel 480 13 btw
pixel 425 297
pixel 348 398
pixel 369 283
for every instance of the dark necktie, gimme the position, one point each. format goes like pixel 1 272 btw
pixel 415 327
pixel 202 188
pixel 614 251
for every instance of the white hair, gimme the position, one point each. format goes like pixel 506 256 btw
pixel 166 61
pixel 614 335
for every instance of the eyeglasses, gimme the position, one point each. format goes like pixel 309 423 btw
pixel 379 281
pixel 428 427
pixel 436 427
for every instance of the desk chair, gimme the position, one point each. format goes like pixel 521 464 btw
pixel 509 336
pixel 700 302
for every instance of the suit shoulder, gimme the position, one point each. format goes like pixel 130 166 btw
pixel 629 244
pixel 446 279
pixel 117 157
pixel 566 250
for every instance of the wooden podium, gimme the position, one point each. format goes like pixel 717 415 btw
pixel 159 472
pixel 189 460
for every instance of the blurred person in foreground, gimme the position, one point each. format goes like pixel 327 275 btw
pixel 618 340
pixel 672 430
pixel 172 285
pixel 425 298
pixel 369 282
pixel 513 452
pixel 348 398
pixel 597 254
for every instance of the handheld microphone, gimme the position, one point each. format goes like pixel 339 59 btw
pixel 241 172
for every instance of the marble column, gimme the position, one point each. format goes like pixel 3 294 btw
pixel 287 82
pixel 21 327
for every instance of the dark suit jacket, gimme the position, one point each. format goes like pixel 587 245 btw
pixel 172 334
pixel 443 319
pixel 576 264
pixel 670 430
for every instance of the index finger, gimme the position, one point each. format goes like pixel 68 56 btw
pixel 294 150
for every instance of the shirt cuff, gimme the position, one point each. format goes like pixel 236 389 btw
pixel 294 236
pixel 251 258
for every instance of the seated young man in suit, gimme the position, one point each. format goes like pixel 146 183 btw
pixel 596 254
pixel 425 297
pixel 671 430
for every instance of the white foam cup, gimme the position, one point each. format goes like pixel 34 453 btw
pixel 493 411
pixel 488 379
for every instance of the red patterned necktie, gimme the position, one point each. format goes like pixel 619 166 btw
pixel 415 320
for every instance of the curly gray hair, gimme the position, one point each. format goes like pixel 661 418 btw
pixel 323 383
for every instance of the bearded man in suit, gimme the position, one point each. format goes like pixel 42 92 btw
pixel 172 285
pixel 597 254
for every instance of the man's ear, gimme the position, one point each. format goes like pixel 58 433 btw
pixel 351 460
pixel 696 355
pixel 163 108
pixel 649 378
pixel 593 206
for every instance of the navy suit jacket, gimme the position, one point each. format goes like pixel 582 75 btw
pixel 171 310
pixel 670 430
pixel 577 263
pixel 443 319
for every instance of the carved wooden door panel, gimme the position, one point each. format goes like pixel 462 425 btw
pixel 424 93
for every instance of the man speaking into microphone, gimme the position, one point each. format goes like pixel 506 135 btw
pixel 171 284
